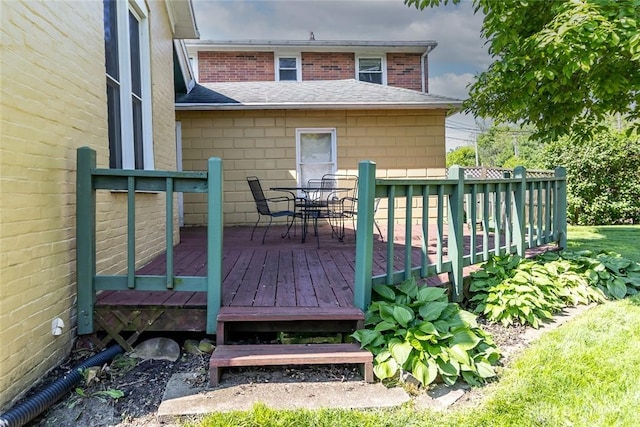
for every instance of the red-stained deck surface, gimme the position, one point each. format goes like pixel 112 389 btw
pixel 282 272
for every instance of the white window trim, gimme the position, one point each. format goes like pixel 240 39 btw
pixel 139 9
pixel 382 57
pixel 298 58
pixel 334 149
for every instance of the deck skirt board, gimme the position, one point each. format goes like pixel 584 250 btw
pixel 227 356
pixel 272 314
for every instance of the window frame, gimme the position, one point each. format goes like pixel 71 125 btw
pixel 334 151
pixel 126 158
pixel 298 59
pixel 383 67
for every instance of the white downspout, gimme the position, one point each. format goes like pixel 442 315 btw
pixel 423 68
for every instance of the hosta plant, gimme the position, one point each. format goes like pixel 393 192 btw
pixel 416 329
pixel 611 273
pixel 509 289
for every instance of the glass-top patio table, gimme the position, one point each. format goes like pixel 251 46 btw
pixel 317 202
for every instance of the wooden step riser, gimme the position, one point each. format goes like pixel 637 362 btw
pixel 226 356
pixel 287 319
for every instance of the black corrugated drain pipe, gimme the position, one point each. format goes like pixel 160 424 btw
pixel 39 402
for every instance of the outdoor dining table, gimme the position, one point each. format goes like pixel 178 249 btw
pixel 309 207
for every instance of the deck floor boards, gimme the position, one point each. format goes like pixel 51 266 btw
pixel 284 272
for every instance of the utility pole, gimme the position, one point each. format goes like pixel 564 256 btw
pixel 475 144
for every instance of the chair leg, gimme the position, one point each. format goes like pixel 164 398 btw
pixel 267 229
pixel 378 228
pixel 254 228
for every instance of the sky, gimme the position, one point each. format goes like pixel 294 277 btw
pixel 460 55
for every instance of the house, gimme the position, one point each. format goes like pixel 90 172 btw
pixel 74 75
pixel 288 111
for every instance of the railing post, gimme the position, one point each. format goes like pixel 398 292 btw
pixel 214 241
pixel 561 206
pixel 85 239
pixel 520 192
pixel 364 234
pixel 456 226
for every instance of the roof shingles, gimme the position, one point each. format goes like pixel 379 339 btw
pixel 328 94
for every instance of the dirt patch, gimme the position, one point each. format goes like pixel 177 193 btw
pixel 128 392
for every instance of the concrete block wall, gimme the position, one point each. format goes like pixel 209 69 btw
pixel 54 101
pixel 403 143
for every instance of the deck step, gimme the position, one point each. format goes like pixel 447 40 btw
pixel 226 356
pixel 280 317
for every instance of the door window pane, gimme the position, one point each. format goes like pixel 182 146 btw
pixel 316 154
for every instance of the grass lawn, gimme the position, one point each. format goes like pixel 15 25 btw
pixel 585 373
pixel 623 239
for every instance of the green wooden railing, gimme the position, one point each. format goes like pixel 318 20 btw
pixel 89 179
pixel 515 213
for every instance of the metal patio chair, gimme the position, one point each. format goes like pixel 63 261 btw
pixel 263 206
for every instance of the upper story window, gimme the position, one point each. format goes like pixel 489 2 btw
pixel 288 68
pixel 128 75
pixel 371 69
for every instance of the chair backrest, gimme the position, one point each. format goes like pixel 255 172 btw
pixel 258 195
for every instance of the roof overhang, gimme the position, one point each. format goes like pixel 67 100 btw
pixel 313 46
pixel 182 18
pixel 452 107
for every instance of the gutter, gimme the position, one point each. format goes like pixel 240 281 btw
pixel 423 68
pixel 318 106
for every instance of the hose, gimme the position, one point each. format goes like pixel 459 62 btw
pixel 39 402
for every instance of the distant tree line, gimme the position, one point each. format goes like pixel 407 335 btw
pixel 603 174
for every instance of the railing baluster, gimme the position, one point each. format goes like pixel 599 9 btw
pixel 530 196
pixel 486 200
pixel 131 232
pixel 408 232
pixel 391 233
pixel 473 207
pixel 497 218
pixel 520 199
pixel 539 220
pixel 169 231
pixel 425 231
pixel 440 229
pixel 547 218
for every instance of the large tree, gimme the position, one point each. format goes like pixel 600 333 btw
pixel 561 65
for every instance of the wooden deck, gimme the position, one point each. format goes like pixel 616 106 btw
pixel 284 272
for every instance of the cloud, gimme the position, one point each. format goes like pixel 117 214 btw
pixel 455 27
pixel 450 84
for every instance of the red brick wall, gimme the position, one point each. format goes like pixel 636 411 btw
pixel 328 66
pixel 235 66
pixel 403 70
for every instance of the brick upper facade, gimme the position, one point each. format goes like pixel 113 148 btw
pixel 258 62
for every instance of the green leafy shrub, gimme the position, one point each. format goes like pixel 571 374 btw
pixel 615 276
pixel 603 184
pixel 417 330
pixel 509 289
